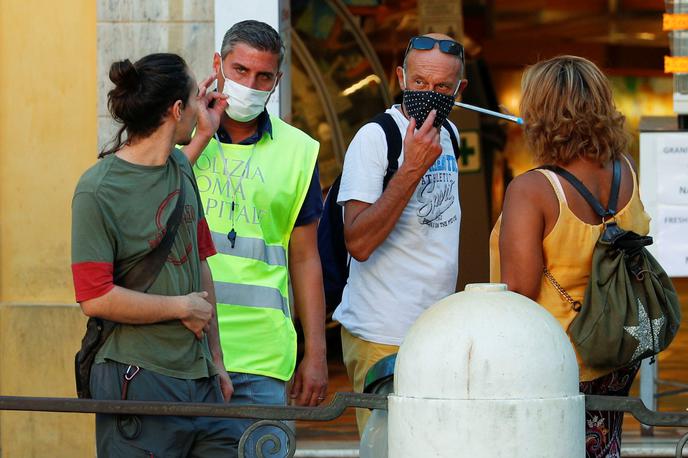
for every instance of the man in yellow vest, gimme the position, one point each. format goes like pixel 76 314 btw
pixel 258 181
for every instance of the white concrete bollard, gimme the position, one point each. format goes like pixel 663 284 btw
pixel 486 373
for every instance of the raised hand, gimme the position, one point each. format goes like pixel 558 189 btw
pixel 209 116
pixel 421 147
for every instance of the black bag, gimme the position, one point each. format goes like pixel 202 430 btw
pixel 334 259
pixel 630 310
pixel 139 278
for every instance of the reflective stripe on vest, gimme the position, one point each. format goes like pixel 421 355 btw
pixel 251 296
pixel 268 183
pixel 250 248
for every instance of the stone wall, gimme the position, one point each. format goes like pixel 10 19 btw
pixel 133 28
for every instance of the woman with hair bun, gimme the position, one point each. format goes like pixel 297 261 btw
pixel 571 122
pixel 165 344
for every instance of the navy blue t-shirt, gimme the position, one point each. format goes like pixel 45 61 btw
pixel 312 207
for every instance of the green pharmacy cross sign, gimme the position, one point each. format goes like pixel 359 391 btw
pixel 469 157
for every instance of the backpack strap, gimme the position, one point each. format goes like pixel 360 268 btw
pixel 393 137
pixel 585 192
pixel 394 143
pixel 452 137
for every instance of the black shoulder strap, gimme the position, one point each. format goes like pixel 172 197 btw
pixel 394 142
pixel 144 273
pixel 452 137
pixel 585 192
pixel 616 184
pixel 393 137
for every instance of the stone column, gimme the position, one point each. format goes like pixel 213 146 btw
pixel 484 373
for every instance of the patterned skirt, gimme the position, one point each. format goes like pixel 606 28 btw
pixel 602 427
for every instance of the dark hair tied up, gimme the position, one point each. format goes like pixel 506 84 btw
pixel 124 75
pixel 144 92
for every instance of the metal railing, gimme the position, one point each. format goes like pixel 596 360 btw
pixel 267 415
pixel 274 415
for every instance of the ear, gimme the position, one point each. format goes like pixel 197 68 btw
pixel 278 77
pixel 217 61
pixel 177 109
pixel 400 78
pixel 462 87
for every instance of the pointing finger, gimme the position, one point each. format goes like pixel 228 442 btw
pixel 427 125
pixel 203 86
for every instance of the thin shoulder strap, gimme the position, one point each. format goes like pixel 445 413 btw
pixel 585 192
pixel 556 185
pixel 142 276
pixel 633 174
pixel 452 137
pixel 393 137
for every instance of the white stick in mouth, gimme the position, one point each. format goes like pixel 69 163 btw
pixel 511 118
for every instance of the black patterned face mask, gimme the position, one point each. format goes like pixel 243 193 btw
pixel 418 105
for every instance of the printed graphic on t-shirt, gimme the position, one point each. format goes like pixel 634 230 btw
pixel 225 185
pixel 437 192
pixel 188 218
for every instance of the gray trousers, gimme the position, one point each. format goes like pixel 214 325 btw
pixel 159 436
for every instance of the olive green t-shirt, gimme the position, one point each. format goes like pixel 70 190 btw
pixel 119 214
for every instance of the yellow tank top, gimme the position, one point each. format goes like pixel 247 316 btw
pixel 567 251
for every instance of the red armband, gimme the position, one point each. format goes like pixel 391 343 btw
pixel 92 279
pixel 206 247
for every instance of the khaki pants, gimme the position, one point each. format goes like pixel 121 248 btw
pixel 359 356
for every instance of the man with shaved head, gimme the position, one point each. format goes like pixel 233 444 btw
pixel 401 221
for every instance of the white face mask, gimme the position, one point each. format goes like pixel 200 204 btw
pixel 245 104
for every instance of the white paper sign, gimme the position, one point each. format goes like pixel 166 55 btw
pixel 672 170
pixel 672 239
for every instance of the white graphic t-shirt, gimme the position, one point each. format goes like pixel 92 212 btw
pixel 418 263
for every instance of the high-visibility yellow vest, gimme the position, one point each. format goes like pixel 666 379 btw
pixel 252 278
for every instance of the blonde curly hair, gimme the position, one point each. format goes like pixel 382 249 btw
pixel 569 112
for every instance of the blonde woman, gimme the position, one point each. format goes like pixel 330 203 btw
pixel 571 122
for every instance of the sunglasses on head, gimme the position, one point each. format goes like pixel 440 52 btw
pixel 423 43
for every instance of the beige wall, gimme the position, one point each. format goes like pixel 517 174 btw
pixel 48 137
pixel 38 344
pixel 54 58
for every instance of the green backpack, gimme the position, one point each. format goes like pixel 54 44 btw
pixel 630 310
